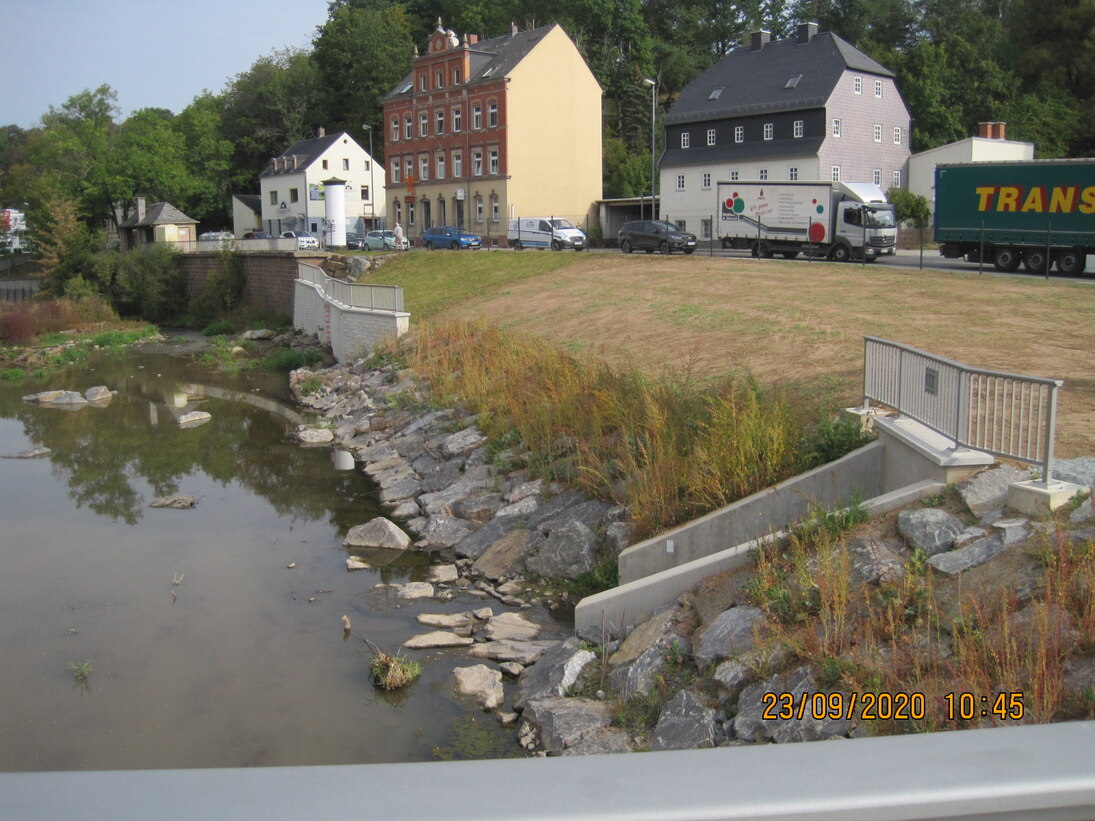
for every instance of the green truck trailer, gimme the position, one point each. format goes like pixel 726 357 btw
pixel 1035 213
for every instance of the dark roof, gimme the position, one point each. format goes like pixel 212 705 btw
pixel 491 59
pixel 252 201
pixel 739 152
pixel 306 152
pixel 159 213
pixel 755 82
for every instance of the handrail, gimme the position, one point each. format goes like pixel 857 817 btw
pixel 1005 414
pixel 352 294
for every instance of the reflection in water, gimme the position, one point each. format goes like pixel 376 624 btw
pixel 215 633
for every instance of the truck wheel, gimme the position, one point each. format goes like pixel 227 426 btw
pixel 625 246
pixel 790 254
pixel 840 253
pixel 1006 258
pixel 1071 261
pixel 727 243
pixel 1036 261
pixel 761 250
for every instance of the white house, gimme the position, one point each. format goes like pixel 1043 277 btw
pixel 991 145
pixel 808 108
pixel 292 190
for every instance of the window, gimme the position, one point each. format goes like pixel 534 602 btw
pixel 398 211
pixel 395 129
pixel 440 167
pixel 878 89
pixel 680 182
pixel 345 164
pixel 897 135
pixel 456 76
pixel 294 195
pixel 896 179
pixel 769 131
pixel 836 126
pixel 439 121
pixel 410 213
pixel 325 165
pixel 682 225
pixel 365 193
pixel 715 92
pixel 273 197
pixel 734 176
pixel 457 163
pixel 477 117
pixel 706 180
pixel 494 208
pixel 798 129
pixel 423 168
pixel 878 132
pixel 395 170
pixel 408 128
pixel 439 79
pixel 492 160
pixel 423 124
pixel 876 176
pixel 836 173
pixel 857 85
pixel 762 174
pixel 477 163
pixel 367 166
pixel 422 81
pixel 739 133
pixel 710 136
pixel 792 173
pixel 478 209
pixel 686 138
pixel 705 228
pixel 457 119
pixel 492 115
pixel 792 81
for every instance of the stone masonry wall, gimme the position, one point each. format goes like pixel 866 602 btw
pixel 269 277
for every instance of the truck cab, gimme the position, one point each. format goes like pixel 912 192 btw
pixel 871 226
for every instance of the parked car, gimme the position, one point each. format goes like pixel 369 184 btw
pixel 445 236
pixel 380 240
pixel 258 235
pixel 216 236
pixel 305 241
pixel 355 242
pixel 655 235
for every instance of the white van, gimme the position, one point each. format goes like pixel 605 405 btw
pixel 555 233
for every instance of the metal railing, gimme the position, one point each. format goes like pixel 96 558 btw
pixel 1004 414
pixel 353 295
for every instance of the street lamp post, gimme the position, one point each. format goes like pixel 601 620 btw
pixel 372 189
pixel 653 118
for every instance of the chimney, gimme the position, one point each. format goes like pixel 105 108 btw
pixel 806 32
pixel 472 39
pixel 321 132
pixel 760 39
pixel 1001 131
pixel 512 29
pixel 295 161
pixel 138 203
pixel 984 130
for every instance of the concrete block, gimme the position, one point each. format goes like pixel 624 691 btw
pixel 1036 498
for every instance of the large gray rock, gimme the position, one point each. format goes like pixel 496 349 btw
pixel 437 638
pixel 750 723
pixel 567 552
pixel 180 501
pixel 569 506
pixel 477 543
pixel 522 652
pixel 954 562
pixel 378 532
pixel 1085 512
pixel 506 557
pixel 988 490
pixel 602 742
pixel 739 671
pixel 98 394
pixel 511 626
pixel 636 666
pixel 553 674
pixel 874 561
pixel 685 724
pixel 1079 471
pixel 437 476
pixel 401 491
pixel 470 483
pixel 462 442
pixel 732 632
pixel 57 398
pixel 482 683
pixel 931 530
pixel 565 722
pixel 480 508
pixel 445 531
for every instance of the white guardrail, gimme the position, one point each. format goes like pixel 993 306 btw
pixel 1034 773
pixel 353 295
pixel 1005 414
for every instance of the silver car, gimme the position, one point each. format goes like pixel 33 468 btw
pixel 305 241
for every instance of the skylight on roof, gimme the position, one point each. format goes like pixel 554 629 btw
pixel 793 81
pixel 714 95
pixel 406 88
pixel 489 71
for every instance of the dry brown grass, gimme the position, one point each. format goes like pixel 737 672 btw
pixel 801 325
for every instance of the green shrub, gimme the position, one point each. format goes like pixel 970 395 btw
pixel 220 327
pixel 286 359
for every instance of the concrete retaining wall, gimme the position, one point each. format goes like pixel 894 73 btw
pixel 269 276
pixel 351 332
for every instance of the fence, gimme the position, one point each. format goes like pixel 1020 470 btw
pixel 353 295
pixel 1004 414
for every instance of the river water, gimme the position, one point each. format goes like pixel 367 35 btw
pixel 242 662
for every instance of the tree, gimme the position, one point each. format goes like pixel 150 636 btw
pixel 909 207
pixel 208 159
pixel 148 160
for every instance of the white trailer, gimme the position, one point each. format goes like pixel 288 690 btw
pixel 835 220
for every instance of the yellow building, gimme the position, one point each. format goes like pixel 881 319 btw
pixel 484 131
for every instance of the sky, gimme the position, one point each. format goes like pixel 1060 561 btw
pixel 152 53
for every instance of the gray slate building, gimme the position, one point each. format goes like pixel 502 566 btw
pixel 812 107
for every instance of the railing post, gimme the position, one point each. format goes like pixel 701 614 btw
pixel 1051 433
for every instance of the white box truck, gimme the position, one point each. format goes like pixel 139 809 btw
pixel 835 220
pixel 555 233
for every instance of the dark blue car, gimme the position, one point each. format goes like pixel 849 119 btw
pixel 445 236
